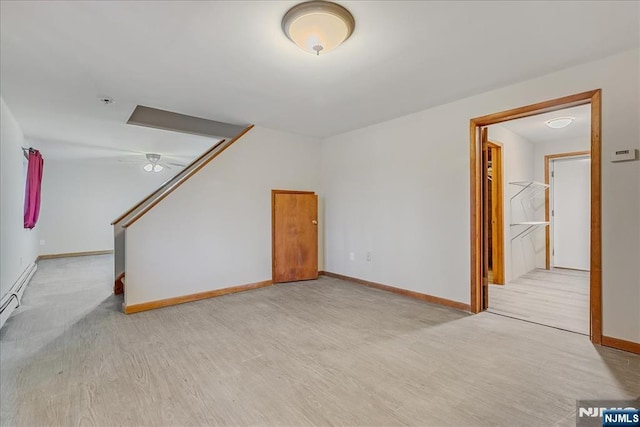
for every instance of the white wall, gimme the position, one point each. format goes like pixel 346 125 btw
pixel 542 149
pixel 81 198
pixel 17 244
pixel 401 189
pixel 517 159
pixel 214 231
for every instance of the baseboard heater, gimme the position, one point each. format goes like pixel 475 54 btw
pixel 12 299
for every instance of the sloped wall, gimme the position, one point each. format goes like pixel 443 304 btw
pixel 214 231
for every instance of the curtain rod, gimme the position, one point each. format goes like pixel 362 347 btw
pixel 26 151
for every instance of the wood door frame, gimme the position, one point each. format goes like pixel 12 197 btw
pixel 593 98
pixel 497 206
pixel 273 224
pixel 547 205
pixel 484 147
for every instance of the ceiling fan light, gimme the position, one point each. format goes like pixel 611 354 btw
pixel 152 165
pixel 318 26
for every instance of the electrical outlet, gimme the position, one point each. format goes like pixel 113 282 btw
pixel 41 242
pixel 352 256
pixel 368 256
pixel 21 261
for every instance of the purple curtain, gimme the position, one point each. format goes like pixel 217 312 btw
pixel 32 190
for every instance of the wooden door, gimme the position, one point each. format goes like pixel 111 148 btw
pixel 496 214
pixel 295 235
pixel 486 214
pixel 571 205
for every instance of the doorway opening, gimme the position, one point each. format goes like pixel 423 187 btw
pixel 547 207
pixel 529 239
pixel 578 163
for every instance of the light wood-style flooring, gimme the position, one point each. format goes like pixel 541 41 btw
pixel 557 297
pixel 322 352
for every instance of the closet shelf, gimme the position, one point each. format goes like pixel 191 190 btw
pixel 528 190
pixel 530 184
pixel 531 188
pixel 530 227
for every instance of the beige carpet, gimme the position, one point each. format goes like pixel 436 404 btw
pixel 323 352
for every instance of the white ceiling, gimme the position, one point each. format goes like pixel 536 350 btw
pixel 535 130
pixel 230 61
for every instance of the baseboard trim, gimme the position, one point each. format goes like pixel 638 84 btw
pixel 129 309
pixel 74 254
pixel 617 343
pixel 568 268
pixel 417 295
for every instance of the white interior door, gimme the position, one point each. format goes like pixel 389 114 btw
pixel 571 192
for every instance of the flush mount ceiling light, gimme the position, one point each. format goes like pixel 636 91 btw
pixel 318 26
pixel 153 165
pixel 559 122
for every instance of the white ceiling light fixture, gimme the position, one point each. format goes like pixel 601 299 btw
pixel 318 26
pixel 559 122
pixel 153 165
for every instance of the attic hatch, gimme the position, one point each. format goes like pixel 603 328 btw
pixel 176 122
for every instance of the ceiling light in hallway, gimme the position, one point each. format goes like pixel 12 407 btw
pixel 318 26
pixel 559 122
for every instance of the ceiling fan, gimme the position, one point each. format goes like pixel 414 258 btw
pixel 153 163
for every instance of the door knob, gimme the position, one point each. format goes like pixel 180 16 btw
pixel 314 222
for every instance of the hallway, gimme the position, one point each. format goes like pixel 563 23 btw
pixel 557 297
